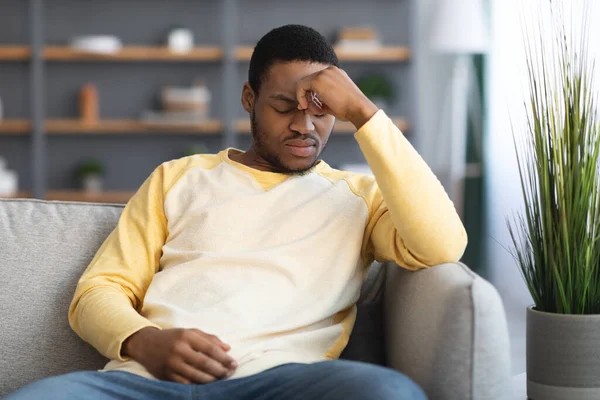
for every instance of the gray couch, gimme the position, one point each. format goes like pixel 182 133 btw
pixel 444 327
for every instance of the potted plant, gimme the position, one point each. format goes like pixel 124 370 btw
pixel 556 236
pixel 378 89
pixel 91 174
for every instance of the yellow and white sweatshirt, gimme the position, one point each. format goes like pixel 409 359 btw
pixel 271 264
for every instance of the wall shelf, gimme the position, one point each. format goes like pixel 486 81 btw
pixel 20 195
pixel 116 126
pixel 73 126
pixel 133 53
pixel 341 127
pixel 15 53
pixel 121 197
pixel 79 195
pixel 387 53
pixel 14 127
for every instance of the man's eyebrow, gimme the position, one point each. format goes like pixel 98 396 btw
pixel 283 97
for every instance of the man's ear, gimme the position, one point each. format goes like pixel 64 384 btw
pixel 248 97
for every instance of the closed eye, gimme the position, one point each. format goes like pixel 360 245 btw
pixel 286 111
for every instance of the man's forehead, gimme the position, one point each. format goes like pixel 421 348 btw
pixel 283 77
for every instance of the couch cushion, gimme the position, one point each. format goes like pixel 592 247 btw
pixel 44 249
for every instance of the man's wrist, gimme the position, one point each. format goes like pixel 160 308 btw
pixel 363 114
pixel 130 345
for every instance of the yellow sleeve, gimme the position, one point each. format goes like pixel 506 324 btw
pixel 411 219
pixel 104 310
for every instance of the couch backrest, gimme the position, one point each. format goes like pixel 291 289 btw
pixel 44 249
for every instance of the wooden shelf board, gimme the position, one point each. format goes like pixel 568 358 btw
pixel 387 53
pixel 243 53
pixel 340 127
pixel 14 127
pixel 20 195
pixel 15 53
pixel 79 195
pixel 133 53
pixel 73 126
pixel 116 126
pixel 347 127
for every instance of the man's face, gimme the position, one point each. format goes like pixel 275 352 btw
pixel 289 139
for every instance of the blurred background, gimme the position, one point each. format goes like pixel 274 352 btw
pixel 95 95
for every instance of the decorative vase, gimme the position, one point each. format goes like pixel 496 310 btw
pixel 181 40
pixel 93 183
pixel 563 356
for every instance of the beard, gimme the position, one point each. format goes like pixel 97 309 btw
pixel 262 149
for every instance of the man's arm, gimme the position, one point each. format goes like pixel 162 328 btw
pixel 104 310
pixel 411 219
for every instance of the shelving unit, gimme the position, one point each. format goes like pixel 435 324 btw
pixel 15 53
pixel 14 127
pixel 340 127
pixel 385 54
pixel 134 53
pixel 67 126
pixel 53 72
pixel 117 126
pixel 209 53
pixel 78 195
pixel 73 126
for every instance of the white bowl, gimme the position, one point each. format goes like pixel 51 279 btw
pixel 101 44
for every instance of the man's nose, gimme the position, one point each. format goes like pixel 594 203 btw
pixel 302 123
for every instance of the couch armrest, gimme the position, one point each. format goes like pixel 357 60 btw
pixel 445 327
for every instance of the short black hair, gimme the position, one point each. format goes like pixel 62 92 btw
pixel 286 44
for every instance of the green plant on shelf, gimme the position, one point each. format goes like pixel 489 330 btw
pixel 90 168
pixel 377 87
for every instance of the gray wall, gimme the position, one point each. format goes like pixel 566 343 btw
pixel 127 88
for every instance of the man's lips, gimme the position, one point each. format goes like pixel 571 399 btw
pixel 301 143
pixel 302 148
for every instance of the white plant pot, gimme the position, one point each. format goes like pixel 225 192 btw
pixel 93 183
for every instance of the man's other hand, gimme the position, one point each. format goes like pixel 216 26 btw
pixel 180 355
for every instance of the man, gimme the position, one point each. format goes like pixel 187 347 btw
pixel 235 276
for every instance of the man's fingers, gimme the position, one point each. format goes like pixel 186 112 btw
pixel 178 379
pixel 205 364
pixel 193 375
pixel 213 339
pixel 302 89
pixel 219 342
pixel 225 346
pixel 214 350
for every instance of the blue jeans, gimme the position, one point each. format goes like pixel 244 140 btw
pixel 331 380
